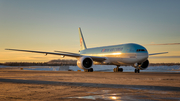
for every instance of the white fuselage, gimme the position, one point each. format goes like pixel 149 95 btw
pixel 124 54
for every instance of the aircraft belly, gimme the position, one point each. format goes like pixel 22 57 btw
pixel 128 58
pixel 121 61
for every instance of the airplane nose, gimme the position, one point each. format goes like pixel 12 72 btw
pixel 142 56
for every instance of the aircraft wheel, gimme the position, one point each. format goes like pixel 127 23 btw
pixel 90 70
pixel 136 70
pixel 120 69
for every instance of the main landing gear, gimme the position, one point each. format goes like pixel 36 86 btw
pixel 117 69
pixel 88 70
pixel 136 70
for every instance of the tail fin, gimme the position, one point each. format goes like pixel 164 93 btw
pixel 82 42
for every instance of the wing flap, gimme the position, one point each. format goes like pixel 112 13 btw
pixel 66 52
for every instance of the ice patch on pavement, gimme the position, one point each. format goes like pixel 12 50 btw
pixel 104 95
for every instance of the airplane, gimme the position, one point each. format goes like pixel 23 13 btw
pixel 131 54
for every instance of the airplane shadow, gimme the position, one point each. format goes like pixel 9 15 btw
pixel 142 87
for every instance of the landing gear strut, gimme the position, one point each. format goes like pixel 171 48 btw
pixel 88 70
pixel 117 69
pixel 136 70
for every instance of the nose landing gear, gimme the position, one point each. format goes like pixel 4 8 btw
pixel 136 70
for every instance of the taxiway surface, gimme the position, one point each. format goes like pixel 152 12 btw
pixel 70 86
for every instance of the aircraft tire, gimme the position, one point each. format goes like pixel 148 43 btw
pixel 136 70
pixel 120 69
pixel 90 70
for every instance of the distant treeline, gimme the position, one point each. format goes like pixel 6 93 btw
pixel 63 62
pixel 58 62
pixel 163 64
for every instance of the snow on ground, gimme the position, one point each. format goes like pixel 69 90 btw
pixel 109 68
pixel 104 68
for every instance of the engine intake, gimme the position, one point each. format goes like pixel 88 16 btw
pixel 85 62
pixel 144 65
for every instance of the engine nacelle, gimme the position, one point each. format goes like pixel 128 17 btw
pixel 144 65
pixel 85 62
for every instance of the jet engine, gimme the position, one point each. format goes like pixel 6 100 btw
pixel 84 62
pixel 144 65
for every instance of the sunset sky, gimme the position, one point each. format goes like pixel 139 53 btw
pixel 48 25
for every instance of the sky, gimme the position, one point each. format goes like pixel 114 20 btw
pixel 48 25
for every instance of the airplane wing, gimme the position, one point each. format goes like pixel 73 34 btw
pixel 95 58
pixel 158 53
pixel 63 54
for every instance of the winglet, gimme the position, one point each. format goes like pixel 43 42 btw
pixel 82 42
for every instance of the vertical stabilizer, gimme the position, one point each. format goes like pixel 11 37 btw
pixel 82 42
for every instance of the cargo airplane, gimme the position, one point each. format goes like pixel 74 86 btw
pixel 123 54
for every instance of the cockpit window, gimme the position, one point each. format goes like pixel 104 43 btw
pixel 140 50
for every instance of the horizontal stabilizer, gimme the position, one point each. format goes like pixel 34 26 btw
pixel 158 53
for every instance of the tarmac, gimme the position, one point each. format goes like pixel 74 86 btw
pixel 23 85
